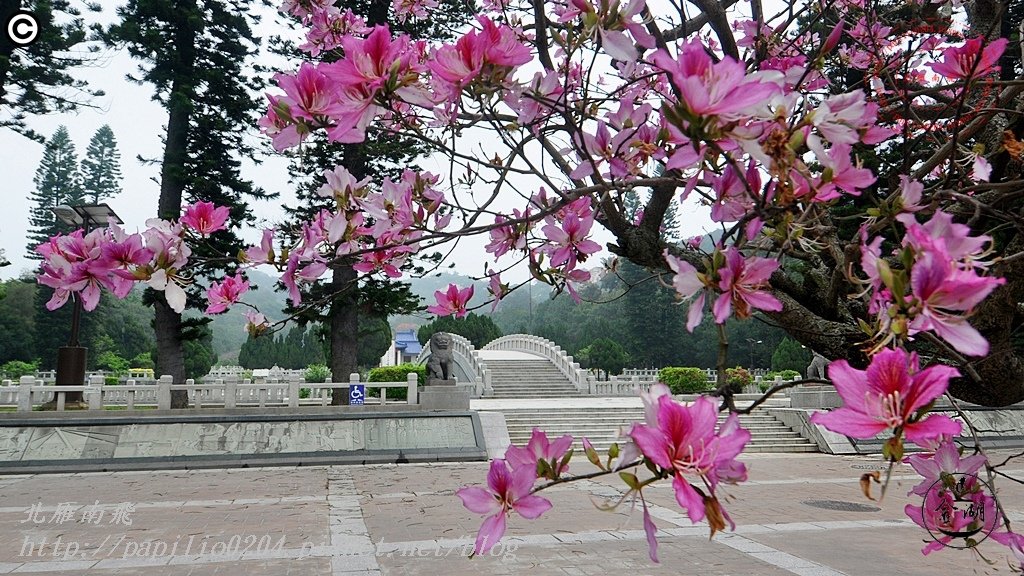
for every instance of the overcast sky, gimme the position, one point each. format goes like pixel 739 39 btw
pixel 138 123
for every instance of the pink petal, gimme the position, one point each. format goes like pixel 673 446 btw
pixel 652 444
pixel 651 530
pixel 478 500
pixel 531 507
pixel 688 499
pixel 490 533
pixel 850 383
pixel 849 422
pixel 695 314
pixel 929 384
pixel 931 427
pixel 722 308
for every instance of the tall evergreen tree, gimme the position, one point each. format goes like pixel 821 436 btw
pixel 101 167
pixel 381 155
pixel 197 56
pixel 57 182
pixel 36 79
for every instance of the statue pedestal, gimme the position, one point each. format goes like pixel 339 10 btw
pixel 443 395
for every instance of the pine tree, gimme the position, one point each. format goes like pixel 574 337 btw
pixel 381 155
pixel 57 182
pixel 790 355
pixel 197 55
pixel 101 168
pixel 36 79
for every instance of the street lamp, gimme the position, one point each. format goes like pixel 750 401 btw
pixel 71 358
pixel 751 343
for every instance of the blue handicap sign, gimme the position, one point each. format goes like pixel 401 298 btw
pixel 356 394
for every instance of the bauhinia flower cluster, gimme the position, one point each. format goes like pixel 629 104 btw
pixel 556 117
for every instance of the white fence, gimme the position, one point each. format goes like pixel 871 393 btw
pixel 31 392
pixel 547 349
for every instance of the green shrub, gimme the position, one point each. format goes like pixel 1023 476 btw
pixel 111 380
pixel 112 362
pixel 395 374
pixel 15 369
pixel 316 374
pixel 305 392
pixel 737 378
pixel 684 380
pixel 143 360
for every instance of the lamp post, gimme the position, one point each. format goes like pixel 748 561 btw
pixel 751 342
pixel 71 358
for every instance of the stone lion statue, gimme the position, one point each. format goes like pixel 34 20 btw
pixel 439 366
pixel 818 367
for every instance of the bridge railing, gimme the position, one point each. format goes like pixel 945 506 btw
pixel 547 349
pixel 461 346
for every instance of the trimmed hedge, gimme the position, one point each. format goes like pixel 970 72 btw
pixel 686 380
pixel 395 374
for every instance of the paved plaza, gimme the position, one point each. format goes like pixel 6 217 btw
pixel 404 519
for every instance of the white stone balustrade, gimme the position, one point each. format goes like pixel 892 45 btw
pixel 547 349
pixel 30 392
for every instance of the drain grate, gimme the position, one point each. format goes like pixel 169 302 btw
pixel 841 506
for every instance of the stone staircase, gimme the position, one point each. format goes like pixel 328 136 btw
pixel 528 379
pixel 601 425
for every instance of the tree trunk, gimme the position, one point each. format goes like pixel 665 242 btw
pixel 344 321
pixel 170 350
pixel 170 353
pixel 344 313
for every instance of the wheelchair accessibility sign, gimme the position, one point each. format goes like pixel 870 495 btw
pixel 356 394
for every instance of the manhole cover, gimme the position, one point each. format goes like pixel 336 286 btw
pixel 842 506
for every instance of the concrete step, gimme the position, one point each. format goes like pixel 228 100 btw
pixel 602 447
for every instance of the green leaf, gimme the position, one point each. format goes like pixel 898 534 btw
pixel 630 479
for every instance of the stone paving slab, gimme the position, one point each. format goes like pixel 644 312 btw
pixel 404 519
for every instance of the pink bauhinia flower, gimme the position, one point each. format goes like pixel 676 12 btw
pixel 741 281
pixel 540 449
pixel 946 293
pixel 406 9
pixel 945 461
pixel 264 253
pixel 688 282
pixel 205 218
pixel 887 396
pixel 278 123
pixel 310 92
pixel 970 59
pixel 686 444
pixel 506 491
pixel 453 301
pixel 496 287
pixel 735 193
pixel 493 50
pixel 508 236
pixel 255 322
pixel 722 89
pixel 223 294
pixel 958 510
pixel 570 242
